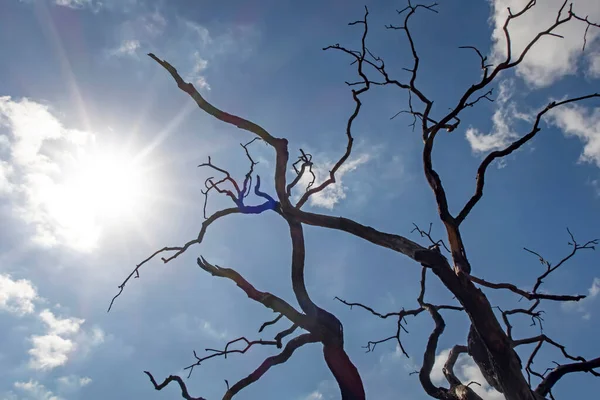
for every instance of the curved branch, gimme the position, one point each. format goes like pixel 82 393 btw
pixel 557 373
pixel 448 369
pixel 480 178
pixel 212 110
pixel 177 249
pixel 226 351
pixel 355 96
pixel 269 300
pixel 280 358
pixel 429 355
pixel 173 378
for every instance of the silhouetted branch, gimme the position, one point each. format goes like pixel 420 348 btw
pixel 480 179
pixel 527 295
pixel 429 355
pixel 268 323
pixel 267 299
pixel 305 160
pixel 360 59
pixel 561 370
pixel 483 59
pixel 448 369
pixel 589 245
pixel 280 358
pixel 226 351
pixel 173 378
pixel 212 110
pixel 427 234
pixel 178 250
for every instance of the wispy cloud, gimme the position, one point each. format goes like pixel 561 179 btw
pixel 126 48
pixel 78 4
pixel 17 296
pixel 191 326
pixel 593 70
pixel 336 192
pixel 326 390
pixel 503 118
pixel 551 58
pixel 315 396
pixel 36 391
pixel 584 306
pixel 196 76
pixel 72 382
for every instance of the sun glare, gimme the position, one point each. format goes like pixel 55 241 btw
pixel 100 191
pixel 110 184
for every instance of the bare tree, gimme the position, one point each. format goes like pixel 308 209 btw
pixel 490 341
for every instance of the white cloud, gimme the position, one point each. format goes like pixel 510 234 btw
pixel 503 118
pixel 36 391
pixel 335 192
pixel 584 306
pixel 64 183
pixel 467 371
pixel 62 338
pixel 582 123
pixel 40 149
pixel 59 326
pixel 49 351
pixel 196 76
pixel 17 296
pixel 551 58
pixel 127 48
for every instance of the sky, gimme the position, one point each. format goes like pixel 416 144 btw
pixel 98 169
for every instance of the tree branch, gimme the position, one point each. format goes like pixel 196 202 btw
pixel 177 249
pixel 173 378
pixel 269 300
pixel 557 373
pixel 280 358
pixel 480 178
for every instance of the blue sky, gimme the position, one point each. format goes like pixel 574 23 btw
pixel 98 156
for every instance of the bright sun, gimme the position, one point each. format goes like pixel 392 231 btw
pixel 109 184
pixel 100 190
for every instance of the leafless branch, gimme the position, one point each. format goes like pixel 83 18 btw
pixel 360 59
pixel 525 294
pixel 268 323
pixel 267 299
pixel 480 178
pixel 427 234
pixel 280 358
pixel 557 373
pixel 448 369
pixel 173 378
pixel 177 250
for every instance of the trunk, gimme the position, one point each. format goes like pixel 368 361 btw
pixel 504 361
pixel 345 373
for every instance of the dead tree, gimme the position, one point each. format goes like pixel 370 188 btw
pixel 490 341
